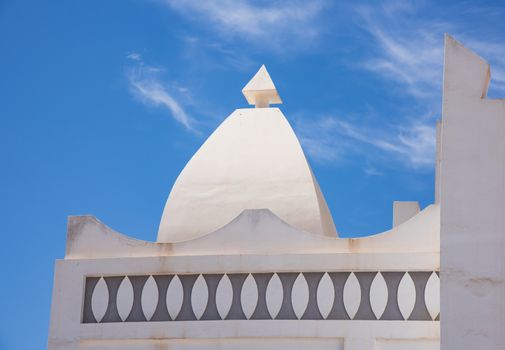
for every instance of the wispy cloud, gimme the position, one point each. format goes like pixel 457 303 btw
pixel 372 171
pixel 261 22
pixel 335 139
pixel 407 46
pixel 403 45
pixel 146 84
pixel 215 54
pixel 134 56
pixel 404 50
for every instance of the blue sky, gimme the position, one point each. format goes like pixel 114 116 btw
pixel 103 103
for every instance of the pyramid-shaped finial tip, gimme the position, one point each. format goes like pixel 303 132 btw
pixel 260 91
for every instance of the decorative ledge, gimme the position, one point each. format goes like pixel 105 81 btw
pixel 263 296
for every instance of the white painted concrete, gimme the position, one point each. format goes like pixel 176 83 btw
pixel 249 296
pixel 224 295
pixel 406 296
pixel 124 298
pixel 300 296
pixel 438 147
pixel 260 91
pixel 402 344
pixel 352 295
pixel 432 295
pixel 254 232
pixel 219 344
pixel 252 161
pixel 378 295
pixel 99 300
pixel 67 329
pixel 174 297
pixel 199 296
pixel 325 295
pixel 403 211
pixel 274 295
pixel 149 298
pixel 472 200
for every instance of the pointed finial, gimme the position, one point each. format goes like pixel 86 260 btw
pixel 260 90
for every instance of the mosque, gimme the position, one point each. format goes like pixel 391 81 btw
pixel 248 256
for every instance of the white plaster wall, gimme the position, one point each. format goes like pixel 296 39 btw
pixel 438 160
pixel 403 211
pixel 472 206
pixel 255 232
pixel 402 344
pixel 295 343
pixel 256 241
pixel 67 331
pixel 218 344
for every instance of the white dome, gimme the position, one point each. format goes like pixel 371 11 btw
pixel 253 160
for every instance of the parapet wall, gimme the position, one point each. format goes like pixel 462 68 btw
pixel 294 290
